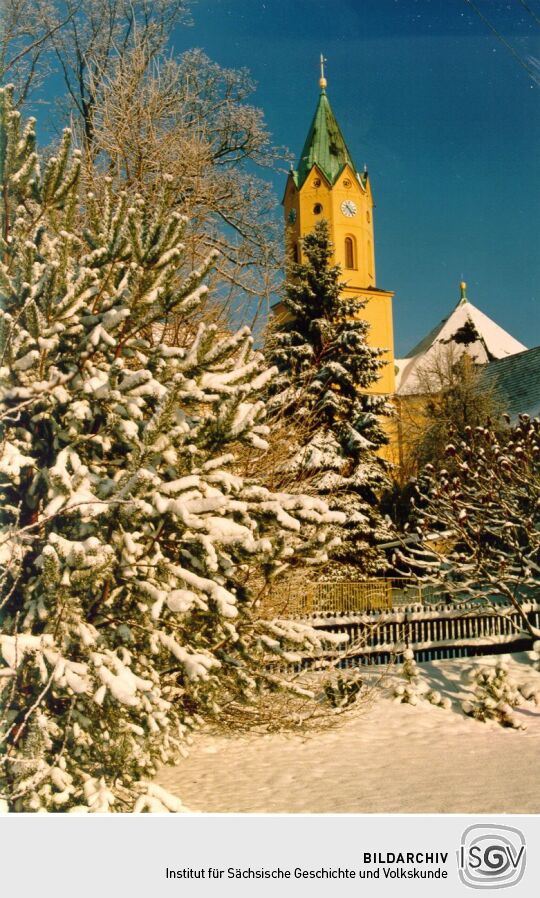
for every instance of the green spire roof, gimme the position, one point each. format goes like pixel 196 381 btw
pixel 325 145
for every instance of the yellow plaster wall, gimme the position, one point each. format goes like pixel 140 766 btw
pixel 360 226
pixel 378 313
pixel 378 308
pixel 412 419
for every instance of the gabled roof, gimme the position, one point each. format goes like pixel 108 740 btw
pixel 516 379
pixel 468 330
pixel 325 146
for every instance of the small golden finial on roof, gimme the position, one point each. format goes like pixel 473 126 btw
pixel 463 289
pixel 322 80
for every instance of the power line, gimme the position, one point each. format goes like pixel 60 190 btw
pixel 530 11
pixel 524 65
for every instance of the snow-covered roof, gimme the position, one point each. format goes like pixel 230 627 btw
pixel 516 379
pixel 467 329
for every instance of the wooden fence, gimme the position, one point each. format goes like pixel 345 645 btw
pixel 441 631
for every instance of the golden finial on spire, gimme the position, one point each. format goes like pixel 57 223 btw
pixel 322 80
pixel 463 288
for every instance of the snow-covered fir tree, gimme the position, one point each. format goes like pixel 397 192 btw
pixel 318 342
pixel 128 538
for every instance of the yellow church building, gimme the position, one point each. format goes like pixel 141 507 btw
pixel 328 185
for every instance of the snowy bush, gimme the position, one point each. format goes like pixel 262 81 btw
pixel 534 655
pixel 494 694
pixel 530 690
pixel 343 692
pixel 410 687
pixel 129 538
pixel 408 690
pixel 487 508
pixel 440 701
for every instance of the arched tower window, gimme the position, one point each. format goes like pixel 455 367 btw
pixel 350 260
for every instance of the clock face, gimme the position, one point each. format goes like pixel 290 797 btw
pixel 348 208
pixel 292 216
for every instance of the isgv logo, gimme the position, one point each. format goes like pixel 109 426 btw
pixel 491 856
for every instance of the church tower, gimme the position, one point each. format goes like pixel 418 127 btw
pixel 328 185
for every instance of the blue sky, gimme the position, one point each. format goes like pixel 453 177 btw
pixel 444 116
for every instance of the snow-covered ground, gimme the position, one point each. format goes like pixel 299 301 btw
pixel 390 758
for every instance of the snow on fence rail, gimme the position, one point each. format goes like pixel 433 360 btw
pixel 439 631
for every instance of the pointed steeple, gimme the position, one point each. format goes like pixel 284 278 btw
pixel 325 145
pixel 328 186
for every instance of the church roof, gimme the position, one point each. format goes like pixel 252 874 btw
pixel 325 145
pixel 468 330
pixel 516 379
